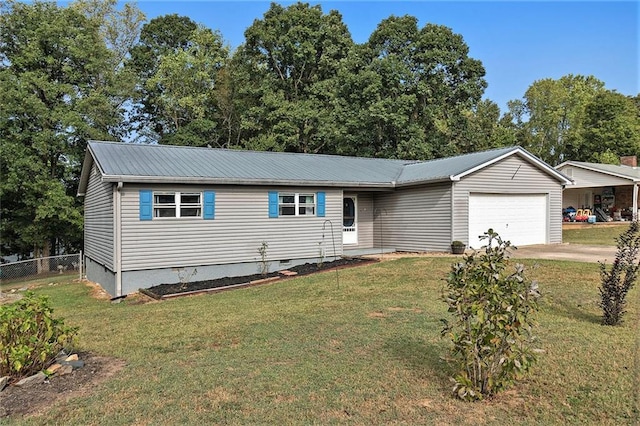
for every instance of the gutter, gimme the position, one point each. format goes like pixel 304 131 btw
pixel 231 181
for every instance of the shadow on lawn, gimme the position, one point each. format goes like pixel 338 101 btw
pixel 577 312
pixel 423 357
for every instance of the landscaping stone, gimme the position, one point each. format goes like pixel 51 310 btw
pixel 64 370
pixel 36 379
pixel 54 367
pixel 288 273
pixel 74 364
pixel 73 357
pixel 4 381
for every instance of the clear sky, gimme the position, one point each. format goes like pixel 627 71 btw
pixel 518 42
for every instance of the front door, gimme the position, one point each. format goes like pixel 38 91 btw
pixel 349 220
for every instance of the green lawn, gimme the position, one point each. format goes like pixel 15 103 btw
pixel 364 350
pixel 599 235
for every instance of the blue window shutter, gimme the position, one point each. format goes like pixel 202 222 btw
pixel 273 204
pixel 321 204
pixel 209 205
pixel 146 204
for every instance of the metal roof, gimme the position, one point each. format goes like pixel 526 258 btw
pixel 127 162
pixel 625 172
pixel 451 167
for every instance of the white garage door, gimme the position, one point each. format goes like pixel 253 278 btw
pixel 519 218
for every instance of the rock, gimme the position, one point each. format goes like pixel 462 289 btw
pixel 73 357
pixel 74 364
pixel 4 381
pixel 53 368
pixel 65 369
pixel 288 273
pixel 36 379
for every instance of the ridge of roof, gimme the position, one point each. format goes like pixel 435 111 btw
pixel 181 147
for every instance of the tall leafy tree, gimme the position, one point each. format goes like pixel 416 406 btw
pixel 164 35
pixel 407 91
pixel 611 128
pixel 56 91
pixel 484 128
pixel 290 54
pixel 555 110
pixel 186 81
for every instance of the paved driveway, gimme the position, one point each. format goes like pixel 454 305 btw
pixel 576 252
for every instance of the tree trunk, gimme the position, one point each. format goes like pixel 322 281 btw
pixel 41 254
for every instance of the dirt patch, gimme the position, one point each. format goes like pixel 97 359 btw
pixel 38 399
pixel 306 269
pixel 402 254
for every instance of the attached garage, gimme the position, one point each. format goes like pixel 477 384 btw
pixel 520 218
pixel 516 195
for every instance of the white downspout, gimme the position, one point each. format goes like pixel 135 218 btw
pixel 635 202
pixel 118 239
pixel 452 237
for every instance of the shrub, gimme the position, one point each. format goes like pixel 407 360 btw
pixel 30 337
pixel 493 313
pixel 617 282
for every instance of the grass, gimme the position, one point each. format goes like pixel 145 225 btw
pixel 8 285
pixel 364 350
pixel 598 235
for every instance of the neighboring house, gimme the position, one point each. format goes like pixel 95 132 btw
pixel 155 213
pixel 610 187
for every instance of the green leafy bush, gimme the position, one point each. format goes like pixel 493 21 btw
pixel 493 311
pixel 30 337
pixel 617 282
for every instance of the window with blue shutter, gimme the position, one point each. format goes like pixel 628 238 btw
pixel 321 204
pixel 273 204
pixel 146 204
pixel 209 205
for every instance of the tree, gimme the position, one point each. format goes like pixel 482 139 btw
pixel 485 129
pixel 289 55
pixel 493 324
pixel 185 81
pixel 611 124
pixel 57 86
pixel 622 276
pixel 406 91
pixel 555 111
pixel 161 36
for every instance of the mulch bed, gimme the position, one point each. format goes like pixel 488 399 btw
pixel 169 290
pixel 16 401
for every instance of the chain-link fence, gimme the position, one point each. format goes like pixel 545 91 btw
pixel 41 267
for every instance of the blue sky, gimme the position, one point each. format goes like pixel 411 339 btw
pixel 518 42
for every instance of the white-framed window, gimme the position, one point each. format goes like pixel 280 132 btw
pixel 177 204
pixel 296 204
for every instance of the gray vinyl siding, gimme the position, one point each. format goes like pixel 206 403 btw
pixel 364 220
pixel 240 226
pixel 98 220
pixel 512 175
pixel 589 179
pixel 414 219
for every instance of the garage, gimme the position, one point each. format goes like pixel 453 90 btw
pixel 519 218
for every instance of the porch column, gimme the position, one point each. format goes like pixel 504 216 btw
pixel 635 201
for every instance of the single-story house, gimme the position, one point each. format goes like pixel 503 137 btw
pixel 611 188
pixel 156 213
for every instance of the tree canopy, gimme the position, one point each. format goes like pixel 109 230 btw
pixel 96 69
pixel 58 87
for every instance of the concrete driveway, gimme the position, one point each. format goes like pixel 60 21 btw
pixel 565 251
